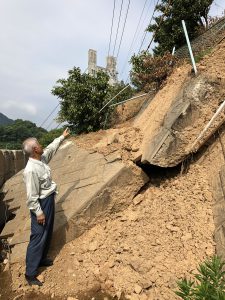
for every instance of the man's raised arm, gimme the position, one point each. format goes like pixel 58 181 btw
pixel 52 148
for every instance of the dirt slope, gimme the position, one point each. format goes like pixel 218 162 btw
pixel 163 234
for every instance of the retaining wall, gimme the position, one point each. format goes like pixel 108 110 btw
pixel 11 162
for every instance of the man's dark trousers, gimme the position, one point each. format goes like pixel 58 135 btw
pixel 40 237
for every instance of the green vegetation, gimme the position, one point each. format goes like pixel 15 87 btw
pixel 48 137
pixel 208 284
pixel 12 135
pixel 167 28
pixel 201 55
pixel 5 120
pixel 149 72
pixel 82 97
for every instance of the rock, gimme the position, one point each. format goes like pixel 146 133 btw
pixel 5 261
pixel 93 246
pixel 137 289
pixel 138 199
pixel 80 259
pixel 134 148
pixel 71 298
pixel 186 237
pixel 202 68
pixel 109 284
pixel 17 297
pixel 52 295
pixel 172 228
pixel 41 278
pixel 72 253
pixel 113 138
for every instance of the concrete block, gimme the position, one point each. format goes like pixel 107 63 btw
pixel 19 160
pixel 2 168
pixel 86 195
pixel 9 163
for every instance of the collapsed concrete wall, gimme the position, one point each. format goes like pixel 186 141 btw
pixel 11 162
pixel 91 186
pixel 176 130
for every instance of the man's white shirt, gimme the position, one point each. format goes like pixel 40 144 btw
pixel 37 177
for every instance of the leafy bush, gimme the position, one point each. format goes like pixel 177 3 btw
pixel 209 284
pixel 82 97
pixel 149 72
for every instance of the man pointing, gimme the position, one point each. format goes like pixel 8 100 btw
pixel 40 200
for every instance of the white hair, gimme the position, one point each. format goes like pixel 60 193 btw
pixel 29 144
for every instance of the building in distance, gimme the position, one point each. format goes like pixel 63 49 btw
pixel 110 68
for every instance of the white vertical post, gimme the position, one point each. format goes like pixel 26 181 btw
pixel 189 46
pixel 174 48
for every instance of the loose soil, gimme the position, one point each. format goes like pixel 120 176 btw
pixel 162 236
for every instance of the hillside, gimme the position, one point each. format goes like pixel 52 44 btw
pixel 5 120
pixel 142 243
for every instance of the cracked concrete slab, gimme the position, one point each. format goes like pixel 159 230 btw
pixel 170 133
pixel 90 187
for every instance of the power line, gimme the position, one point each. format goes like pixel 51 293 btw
pixel 160 22
pixel 133 38
pixel 145 33
pixel 117 30
pixel 124 24
pixel 49 115
pixel 114 5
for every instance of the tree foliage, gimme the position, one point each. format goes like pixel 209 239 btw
pixel 12 135
pixel 149 72
pixel 49 136
pixel 209 283
pixel 167 29
pixel 81 98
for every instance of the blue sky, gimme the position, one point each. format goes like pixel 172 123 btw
pixel 41 40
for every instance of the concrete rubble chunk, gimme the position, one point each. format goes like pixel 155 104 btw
pixel 87 194
pixel 168 139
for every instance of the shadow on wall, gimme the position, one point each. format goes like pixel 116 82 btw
pixel 11 162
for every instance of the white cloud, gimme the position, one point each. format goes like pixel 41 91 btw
pixel 20 107
pixel 41 40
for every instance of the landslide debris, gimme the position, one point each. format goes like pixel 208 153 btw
pixel 142 251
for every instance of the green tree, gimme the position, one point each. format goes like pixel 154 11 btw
pixel 12 135
pixel 167 28
pixel 81 98
pixel 48 137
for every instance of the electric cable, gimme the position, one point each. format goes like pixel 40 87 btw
pixel 117 30
pixel 124 24
pixel 49 115
pixel 133 38
pixel 145 32
pixel 114 5
pixel 160 22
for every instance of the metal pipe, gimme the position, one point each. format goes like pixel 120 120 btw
pixel 173 51
pixel 114 98
pixel 115 104
pixel 189 46
pixel 208 125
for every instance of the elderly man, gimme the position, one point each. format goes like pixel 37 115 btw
pixel 40 200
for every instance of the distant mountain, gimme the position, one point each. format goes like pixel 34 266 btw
pixel 5 120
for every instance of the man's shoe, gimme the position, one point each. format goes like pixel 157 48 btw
pixel 47 262
pixel 32 280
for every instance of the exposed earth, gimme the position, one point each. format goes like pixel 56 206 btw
pixel 161 237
